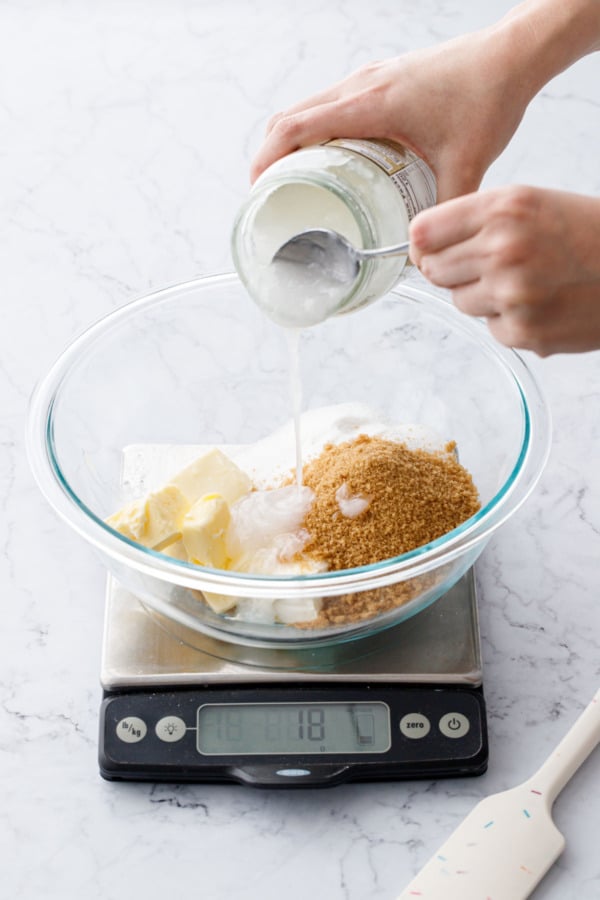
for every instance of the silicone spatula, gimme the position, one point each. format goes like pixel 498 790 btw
pixel 506 845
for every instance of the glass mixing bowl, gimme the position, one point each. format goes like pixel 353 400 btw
pixel 199 364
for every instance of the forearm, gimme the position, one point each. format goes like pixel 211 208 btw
pixel 538 39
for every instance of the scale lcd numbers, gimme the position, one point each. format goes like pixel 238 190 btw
pixel 232 729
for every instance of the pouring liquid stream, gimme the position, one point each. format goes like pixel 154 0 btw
pixel 293 341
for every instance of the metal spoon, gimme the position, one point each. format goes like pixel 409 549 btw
pixel 333 254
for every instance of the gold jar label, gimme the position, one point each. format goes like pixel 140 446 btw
pixel 411 176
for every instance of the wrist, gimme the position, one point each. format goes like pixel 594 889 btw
pixel 538 39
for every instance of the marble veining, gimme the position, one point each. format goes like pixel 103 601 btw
pixel 127 130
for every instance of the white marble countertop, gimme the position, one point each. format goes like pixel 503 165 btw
pixel 127 129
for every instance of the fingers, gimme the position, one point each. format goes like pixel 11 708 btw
pixel 520 257
pixel 475 299
pixel 323 116
pixel 291 131
pixel 358 82
pixel 447 224
pixel 329 95
pixel 298 126
pixel 454 266
pixel 463 254
pixel 349 116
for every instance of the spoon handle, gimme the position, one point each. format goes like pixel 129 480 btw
pixel 396 250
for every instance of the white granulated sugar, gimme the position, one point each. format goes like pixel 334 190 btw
pixel 273 459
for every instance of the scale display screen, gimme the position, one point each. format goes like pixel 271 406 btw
pixel 231 729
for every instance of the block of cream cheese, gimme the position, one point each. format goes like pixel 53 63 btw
pixel 155 521
pixel 212 473
pixel 204 530
pixel 268 612
pixel 300 610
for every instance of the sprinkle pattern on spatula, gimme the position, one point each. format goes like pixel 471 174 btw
pixel 507 843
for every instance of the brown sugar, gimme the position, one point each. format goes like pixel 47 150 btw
pixel 356 607
pixel 413 497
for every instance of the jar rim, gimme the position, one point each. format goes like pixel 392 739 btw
pixel 320 178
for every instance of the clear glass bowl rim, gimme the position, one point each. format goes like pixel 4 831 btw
pixel 515 490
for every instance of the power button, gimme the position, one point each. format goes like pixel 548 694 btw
pixel 454 725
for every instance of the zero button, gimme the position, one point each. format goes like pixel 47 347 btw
pixel 415 725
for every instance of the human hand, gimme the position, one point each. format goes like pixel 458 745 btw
pixel 456 105
pixel 524 258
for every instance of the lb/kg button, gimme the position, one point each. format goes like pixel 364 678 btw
pixel 131 729
pixel 454 725
pixel 415 725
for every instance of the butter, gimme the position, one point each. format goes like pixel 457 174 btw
pixel 213 472
pixel 204 531
pixel 176 551
pixel 155 521
pixel 219 603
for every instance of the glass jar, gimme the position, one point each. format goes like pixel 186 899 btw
pixel 367 191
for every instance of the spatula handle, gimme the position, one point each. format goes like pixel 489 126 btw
pixel 574 748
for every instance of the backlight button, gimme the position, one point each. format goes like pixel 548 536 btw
pixel 170 729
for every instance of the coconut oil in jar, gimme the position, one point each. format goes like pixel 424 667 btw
pixel 367 191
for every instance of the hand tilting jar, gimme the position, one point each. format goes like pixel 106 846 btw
pixel 367 191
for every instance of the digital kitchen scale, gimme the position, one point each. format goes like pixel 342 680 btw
pixel 182 707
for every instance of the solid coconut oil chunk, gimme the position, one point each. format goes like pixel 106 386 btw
pixel 367 191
